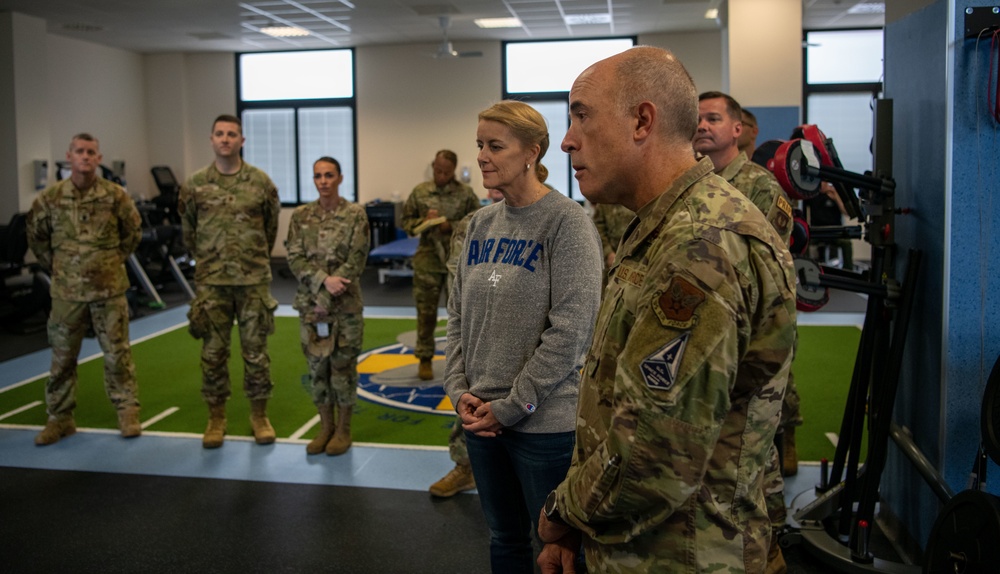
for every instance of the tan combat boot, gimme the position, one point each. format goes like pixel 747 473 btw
pixel 341 440
pixel 426 370
pixel 263 432
pixel 458 479
pixel 128 422
pixel 318 444
pixel 56 428
pixel 216 426
pixel 790 463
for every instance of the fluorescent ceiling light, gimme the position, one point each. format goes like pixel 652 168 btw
pixel 581 19
pixel 711 13
pixel 498 22
pixel 867 8
pixel 284 31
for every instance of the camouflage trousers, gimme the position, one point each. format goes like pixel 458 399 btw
pixel 456 444
pixel 774 484
pixel 333 360
pixel 426 293
pixel 774 491
pixel 790 414
pixel 67 326
pixel 211 319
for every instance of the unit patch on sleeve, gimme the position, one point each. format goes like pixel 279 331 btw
pixel 659 370
pixel 675 305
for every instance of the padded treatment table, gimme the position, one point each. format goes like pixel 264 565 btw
pixel 397 256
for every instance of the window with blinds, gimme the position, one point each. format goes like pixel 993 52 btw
pixel 293 116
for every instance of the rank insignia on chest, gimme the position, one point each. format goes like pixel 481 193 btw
pixel 659 370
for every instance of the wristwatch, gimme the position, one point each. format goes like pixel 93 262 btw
pixel 551 509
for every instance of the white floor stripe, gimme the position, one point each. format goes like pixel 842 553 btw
pixel 93 357
pixel 155 419
pixel 832 436
pixel 238 438
pixel 304 428
pixel 24 382
pixel 30 405
pixel 158 333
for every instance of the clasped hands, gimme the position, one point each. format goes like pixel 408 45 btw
pixel 336 285
pixel 477 416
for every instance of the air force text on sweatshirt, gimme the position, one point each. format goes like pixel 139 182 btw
pixel 504 250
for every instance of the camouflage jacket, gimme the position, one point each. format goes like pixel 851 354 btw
pixel 83 238
pixel 764 191
pixel 230 223
pixel 611 221
pixel 682 388
pixel 458 233
pixel 322 243
pixel 453 201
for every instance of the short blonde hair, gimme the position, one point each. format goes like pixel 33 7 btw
pixel 527 125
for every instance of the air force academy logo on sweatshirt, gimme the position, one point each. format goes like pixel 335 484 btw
pixel 505 250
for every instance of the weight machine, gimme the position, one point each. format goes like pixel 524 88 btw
pixel 836 524
pixel 161 247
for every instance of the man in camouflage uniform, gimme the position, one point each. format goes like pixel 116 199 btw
pixel 229 217
pixel 682 385
pixel 327 244
pixel 748 136
pixel 82 230
pixel 719 131
pixel 459 478
pixel 445 197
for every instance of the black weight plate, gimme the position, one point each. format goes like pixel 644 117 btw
pixel 966 536
pixel 990 417
pixel 765 152
pixel 809 294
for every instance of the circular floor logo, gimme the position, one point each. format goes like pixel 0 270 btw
pixel 388 375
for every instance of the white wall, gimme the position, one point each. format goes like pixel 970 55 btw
pixel 411 105
pixel 9 188
pixel 184 94
pixel 765 41
pixel 24 134
pixel 210 91
pixel 165 77
pixel 99 90
pixel 700 52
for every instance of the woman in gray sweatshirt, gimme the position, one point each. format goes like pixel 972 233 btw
pixel 521 314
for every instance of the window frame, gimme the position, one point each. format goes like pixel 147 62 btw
pixel 572 189
pixel 296 105
pixel 875 88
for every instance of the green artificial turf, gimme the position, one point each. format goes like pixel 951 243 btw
pixel 169 377
pixel 824 363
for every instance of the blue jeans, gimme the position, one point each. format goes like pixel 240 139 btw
pixel 514 473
